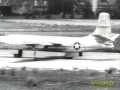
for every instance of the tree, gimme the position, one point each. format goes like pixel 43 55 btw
pixel 115 10
pixel 55 6
pixel 58 6
pixel 87 11
pixel 118 3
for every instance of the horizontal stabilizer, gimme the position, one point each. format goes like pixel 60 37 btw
pixel 101 39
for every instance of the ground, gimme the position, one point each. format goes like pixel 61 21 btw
pixel 57 80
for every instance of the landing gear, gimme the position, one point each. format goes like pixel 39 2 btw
pixel 20 52
pixel 71 55
pixel 80 53
pixel 35 59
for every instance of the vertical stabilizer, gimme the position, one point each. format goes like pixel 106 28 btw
pixel 103 27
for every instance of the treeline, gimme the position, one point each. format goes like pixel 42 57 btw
pixel 62 7
pixel 115 10
pixel 72 7
pixel 58 6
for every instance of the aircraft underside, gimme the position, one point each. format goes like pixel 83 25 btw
pixel 68 55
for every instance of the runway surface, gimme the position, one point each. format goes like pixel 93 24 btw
pixel 52 60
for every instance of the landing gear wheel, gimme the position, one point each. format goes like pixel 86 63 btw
pixel 35 59
pixel 80 53
pixel 68 57
pixel 71 55
pixel 20 52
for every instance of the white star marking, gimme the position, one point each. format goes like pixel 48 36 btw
pixel 76 45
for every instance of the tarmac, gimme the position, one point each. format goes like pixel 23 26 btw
pixel 52 60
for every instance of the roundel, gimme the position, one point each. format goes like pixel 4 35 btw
pixel 76 45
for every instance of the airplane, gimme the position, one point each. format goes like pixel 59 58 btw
pixel 102 39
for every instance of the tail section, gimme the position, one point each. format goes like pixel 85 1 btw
pixel 103 27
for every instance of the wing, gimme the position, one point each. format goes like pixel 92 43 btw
pixel 43 45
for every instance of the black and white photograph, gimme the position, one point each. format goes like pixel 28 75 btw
pixel 59 44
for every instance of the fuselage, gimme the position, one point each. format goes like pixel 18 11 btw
pixel 53 43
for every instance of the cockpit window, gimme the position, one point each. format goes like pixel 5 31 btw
pixel 4 34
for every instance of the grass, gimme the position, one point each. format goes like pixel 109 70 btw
pixel 26 26
pixel 46 28
pixel 36 79
pixel 2 71
pixel 110 70
pixel 31 81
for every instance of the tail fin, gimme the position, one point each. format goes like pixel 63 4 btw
pixel 103 27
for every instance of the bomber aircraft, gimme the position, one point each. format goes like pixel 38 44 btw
pixel 101 39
